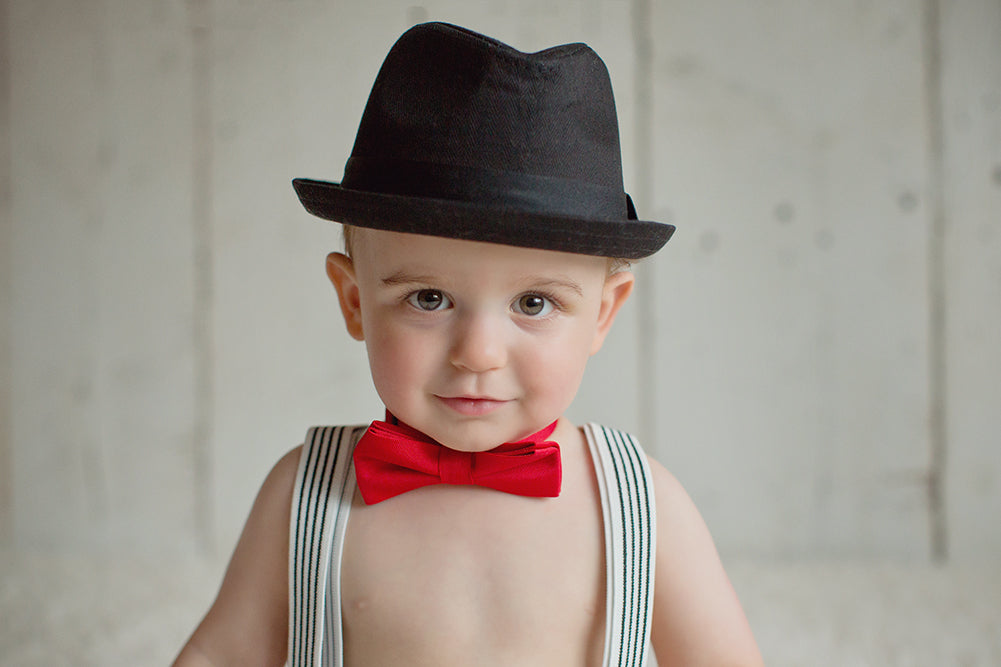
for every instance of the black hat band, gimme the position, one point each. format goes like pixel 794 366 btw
pixel 494 188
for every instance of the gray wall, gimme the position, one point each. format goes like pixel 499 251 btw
pixel 815 355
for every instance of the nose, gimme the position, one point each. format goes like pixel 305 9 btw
pixel 479 344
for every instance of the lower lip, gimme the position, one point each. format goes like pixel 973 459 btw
pixel 472 407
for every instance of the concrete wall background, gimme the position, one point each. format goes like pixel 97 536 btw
pixel 814 354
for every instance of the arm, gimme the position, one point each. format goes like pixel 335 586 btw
pixel 697 618
pixel 248 622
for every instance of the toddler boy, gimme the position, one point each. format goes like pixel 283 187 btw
pixel 487 244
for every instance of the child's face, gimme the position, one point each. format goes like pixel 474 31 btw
pixel 474 344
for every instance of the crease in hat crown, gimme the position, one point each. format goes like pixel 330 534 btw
pixel 466 137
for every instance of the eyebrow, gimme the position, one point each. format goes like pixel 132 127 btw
pixel 546 281
pixel 404 278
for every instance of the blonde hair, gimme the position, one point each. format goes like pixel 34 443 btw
pixel 348 232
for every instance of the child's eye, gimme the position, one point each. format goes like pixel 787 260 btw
pixel 429 299
pixel 534 305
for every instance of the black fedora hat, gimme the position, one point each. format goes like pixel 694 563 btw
pixel 466 137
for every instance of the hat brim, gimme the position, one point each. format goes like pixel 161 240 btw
pixel 625 239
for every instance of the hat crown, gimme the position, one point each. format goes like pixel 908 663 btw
pixel 451 97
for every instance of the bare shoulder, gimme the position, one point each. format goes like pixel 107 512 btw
pixel 248 622
pixel 697 618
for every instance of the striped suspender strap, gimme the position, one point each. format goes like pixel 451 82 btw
pixel 630 543
pixel 321 501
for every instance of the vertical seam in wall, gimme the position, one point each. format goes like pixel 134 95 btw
pixel 646 349
pixel 937 361
pixel 201 220
pixel 7 287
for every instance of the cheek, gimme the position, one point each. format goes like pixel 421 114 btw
pixel 402 360
pixel 555 370
pixel 392 358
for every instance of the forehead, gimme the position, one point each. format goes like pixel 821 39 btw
pixel 382 250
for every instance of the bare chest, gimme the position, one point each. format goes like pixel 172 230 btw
pixel 460 575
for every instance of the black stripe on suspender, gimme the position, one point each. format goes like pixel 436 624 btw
pixel 309 549
pixel 305 562
pixel 322 599
pixel 294 573
pixel 648 561
pixel 645 536
pixel 297 588
pixel 638 542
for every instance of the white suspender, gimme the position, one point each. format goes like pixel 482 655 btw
pixel 630 543
pixel 321 502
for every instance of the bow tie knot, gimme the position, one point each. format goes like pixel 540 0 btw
pixel 393 458
pixel 455 467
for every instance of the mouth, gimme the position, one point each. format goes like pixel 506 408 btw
pixel 472 406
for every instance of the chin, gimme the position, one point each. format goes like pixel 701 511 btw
pixel 469 444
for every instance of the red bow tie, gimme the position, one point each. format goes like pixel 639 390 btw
pixel 391 459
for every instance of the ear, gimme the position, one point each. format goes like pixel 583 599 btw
pixel 341 271
pixel 617 289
